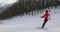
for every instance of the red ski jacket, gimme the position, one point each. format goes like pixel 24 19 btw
pixel 45 16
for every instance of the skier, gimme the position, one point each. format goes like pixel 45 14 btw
pixel 45 16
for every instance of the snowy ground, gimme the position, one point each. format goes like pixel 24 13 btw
pixel 31 23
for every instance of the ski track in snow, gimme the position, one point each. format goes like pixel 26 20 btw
pixel 30 23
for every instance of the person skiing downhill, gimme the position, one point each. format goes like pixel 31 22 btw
pixel 45 16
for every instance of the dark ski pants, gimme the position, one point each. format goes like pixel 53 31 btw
pixel 45 21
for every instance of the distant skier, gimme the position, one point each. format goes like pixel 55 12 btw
pixel 45 16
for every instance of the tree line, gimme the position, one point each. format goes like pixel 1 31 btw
pixel 19 8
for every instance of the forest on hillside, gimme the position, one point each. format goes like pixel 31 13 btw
pixel 27 6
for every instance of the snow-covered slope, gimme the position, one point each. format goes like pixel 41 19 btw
pixel 31 23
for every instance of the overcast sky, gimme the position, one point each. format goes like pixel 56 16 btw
pixel 3 2
pixel 6 2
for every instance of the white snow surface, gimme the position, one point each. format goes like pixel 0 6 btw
pixel 31 23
